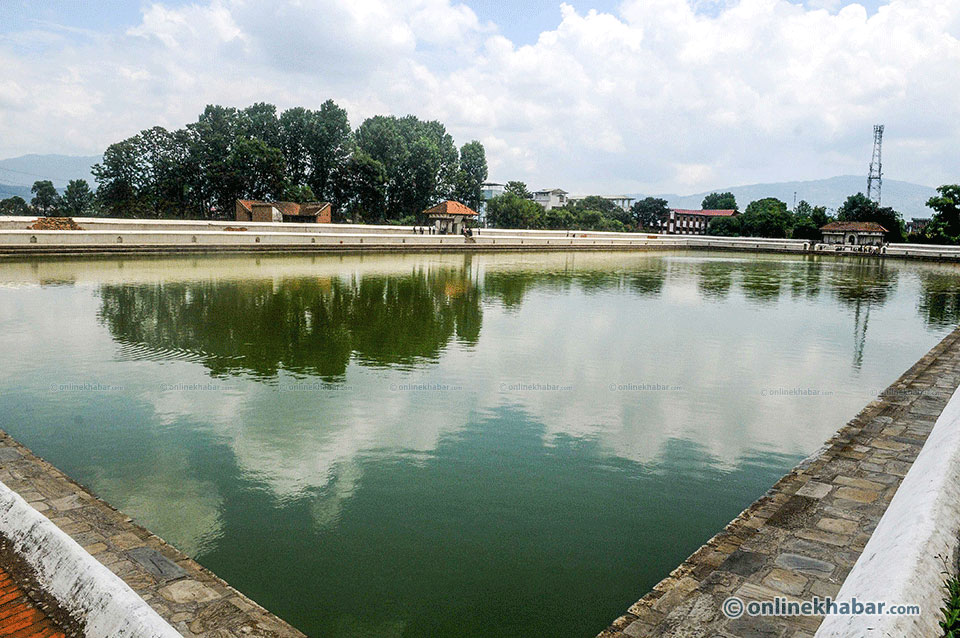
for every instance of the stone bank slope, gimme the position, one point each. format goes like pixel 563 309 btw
pixel 130 236
pixel 160 592
pixel 803 537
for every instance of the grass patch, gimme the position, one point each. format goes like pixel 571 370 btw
pixel 951 609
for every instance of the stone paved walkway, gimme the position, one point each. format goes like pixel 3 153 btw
pixel 801 539
pixel 191 598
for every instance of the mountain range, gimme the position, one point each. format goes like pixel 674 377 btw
pixel 17 175
pixel 907 198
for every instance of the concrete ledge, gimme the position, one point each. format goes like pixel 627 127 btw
pixel 104 605
pixel 917 538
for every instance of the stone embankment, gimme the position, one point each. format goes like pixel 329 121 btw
pixel 802 539
pixel 109 576
pixel 100 235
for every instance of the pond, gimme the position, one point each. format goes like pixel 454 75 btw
pixel 449 445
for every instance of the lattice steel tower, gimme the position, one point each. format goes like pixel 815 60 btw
pixel 875 177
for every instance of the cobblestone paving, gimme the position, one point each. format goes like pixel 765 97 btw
pixel 801 539
pixel 191 598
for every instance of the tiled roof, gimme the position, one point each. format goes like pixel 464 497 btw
pixel 863 227
pixel 287 208
pixel 450 207
pixel 709 212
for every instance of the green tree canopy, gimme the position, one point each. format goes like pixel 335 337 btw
pixel 766 217
pixel 46 199
pixel 519 189
pixel 945 224
pixel 510 211
pixel 77 198
pixel 367 186
pixel 390 168
pixel 15 205
pixel 650 213
pixel 419 158
pixel 860 208
pixel 720 201
pixel 724 227
pixel 472 174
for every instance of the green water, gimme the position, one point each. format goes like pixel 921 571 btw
pixel 449 445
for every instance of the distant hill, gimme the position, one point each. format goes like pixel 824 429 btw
pixel 910 199
pixel 59 169
pixel 6 190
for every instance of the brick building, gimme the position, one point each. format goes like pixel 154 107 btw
pixel 854 233
pixel 683 221
pixel 248 210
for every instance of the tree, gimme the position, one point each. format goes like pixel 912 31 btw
pixel 519 189
pixel 808 220
pixel 651 213
pixel 860 208
pixel 766 217
pixel 820 217
pixel 472 174
pixel 368 186
pixel 510 211
pixel 720 201
pixel 118 175
pixel 559 218
pixel 14 206
pixel 77 198
pixel 419 158
pixel 805 228
pixel 328 144
pixel 299 194
pixel 46 200
pixel 946 214
pixel 724 227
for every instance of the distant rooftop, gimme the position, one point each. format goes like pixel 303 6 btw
pixel 707 212
pixel 862 227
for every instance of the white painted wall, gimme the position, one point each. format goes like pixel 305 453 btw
pixel 915 541
pixel 78 582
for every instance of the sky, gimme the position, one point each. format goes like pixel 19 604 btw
pixel 596 96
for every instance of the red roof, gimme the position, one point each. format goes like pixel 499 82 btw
pixel 287 208
pixel 451 207
pixel 709 212
pixel 863 227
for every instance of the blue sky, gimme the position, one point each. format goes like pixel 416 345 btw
pixel 599 95
pixel 521 21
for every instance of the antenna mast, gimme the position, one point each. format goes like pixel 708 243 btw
pixel 875 177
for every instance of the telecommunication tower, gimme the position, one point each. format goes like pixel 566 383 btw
pixel 875 177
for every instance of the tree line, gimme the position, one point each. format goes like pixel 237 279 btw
pixel 767 217
pixel 389 169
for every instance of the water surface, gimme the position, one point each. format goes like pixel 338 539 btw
pixel 449 445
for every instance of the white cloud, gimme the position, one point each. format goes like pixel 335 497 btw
pixel 666 95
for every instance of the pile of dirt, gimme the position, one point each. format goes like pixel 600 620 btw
pixel 237 228
pixel 55 223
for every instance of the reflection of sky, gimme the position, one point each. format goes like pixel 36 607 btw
pixel 192 464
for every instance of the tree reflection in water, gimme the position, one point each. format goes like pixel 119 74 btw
pixel 315 326
pixel 303 325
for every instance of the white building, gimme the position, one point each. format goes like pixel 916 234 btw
pixel 488 191
pixel 550 197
